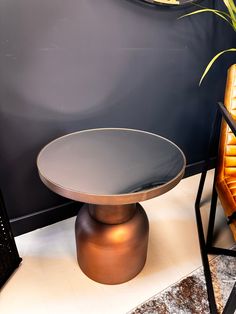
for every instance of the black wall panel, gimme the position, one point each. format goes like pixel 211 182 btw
pixel 78 64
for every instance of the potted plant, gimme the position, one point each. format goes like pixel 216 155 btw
pixel 229 16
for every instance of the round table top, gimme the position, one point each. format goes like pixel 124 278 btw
pixel 111 166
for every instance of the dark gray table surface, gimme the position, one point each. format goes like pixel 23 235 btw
pixel 109 162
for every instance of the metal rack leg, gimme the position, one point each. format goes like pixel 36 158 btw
pixel 211 221
pixel 206 266
pixel 230 306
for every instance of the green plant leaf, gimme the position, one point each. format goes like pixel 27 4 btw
pixel 202 7
pixel 229 17
pixel 215 10
pixel 213 60
pixel 228 4
pixel 231 2
pixel 221 14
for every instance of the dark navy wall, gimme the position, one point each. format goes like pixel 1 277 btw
pixel 78 64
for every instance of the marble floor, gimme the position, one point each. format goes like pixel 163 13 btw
pixel 49 279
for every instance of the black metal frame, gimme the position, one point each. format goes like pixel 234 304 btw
pixel 9 257
pixel 206 246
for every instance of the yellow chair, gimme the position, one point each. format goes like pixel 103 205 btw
pixel 226 169
pixel 224 186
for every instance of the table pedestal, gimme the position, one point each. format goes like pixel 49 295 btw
pixel 111 241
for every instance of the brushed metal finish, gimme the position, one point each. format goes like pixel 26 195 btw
pixel 112 253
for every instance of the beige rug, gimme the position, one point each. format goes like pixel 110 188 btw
pixel 189 295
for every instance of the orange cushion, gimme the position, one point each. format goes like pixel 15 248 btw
pixel 226 190
pixel 226 170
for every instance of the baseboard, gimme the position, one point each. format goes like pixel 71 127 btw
pixel 197 167
pixel 44 218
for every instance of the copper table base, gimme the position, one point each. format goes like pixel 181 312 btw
pixel 111 241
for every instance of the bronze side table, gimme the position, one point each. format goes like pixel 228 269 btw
pixel 111 170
